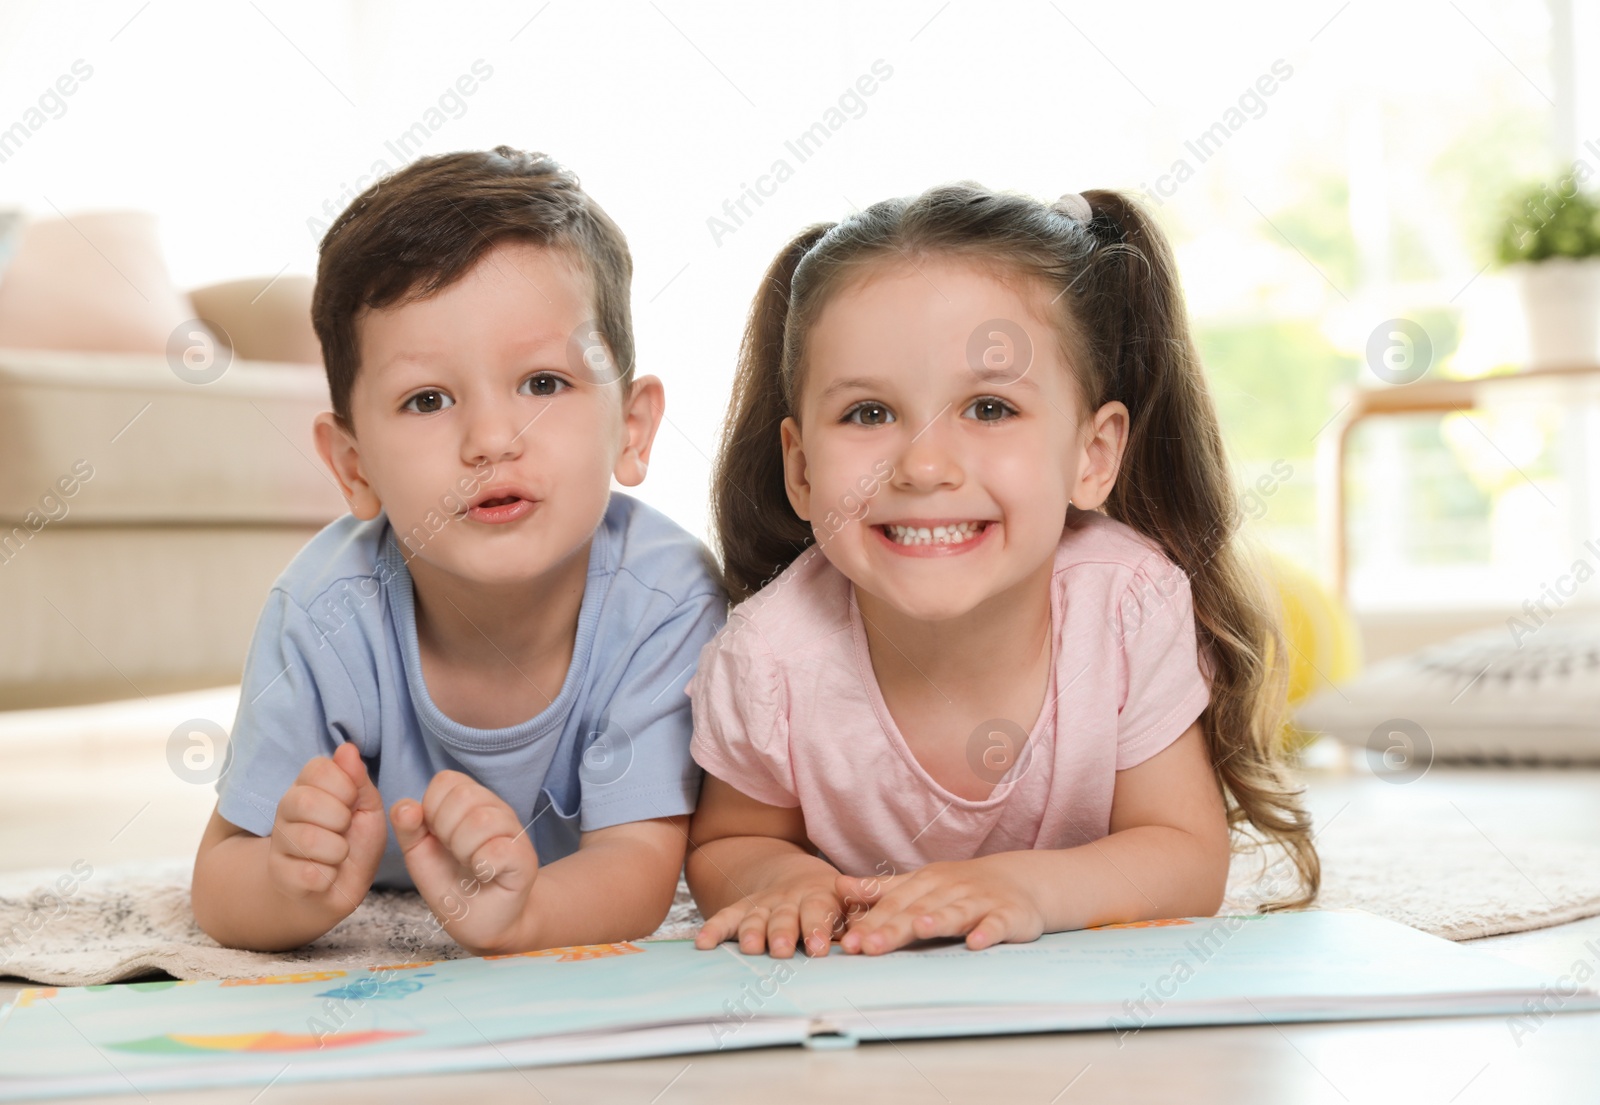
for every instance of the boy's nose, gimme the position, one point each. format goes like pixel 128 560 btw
pixel 493 433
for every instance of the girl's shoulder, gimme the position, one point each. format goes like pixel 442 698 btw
pixel 805 604
pixel 1091 538
pixel 1115 580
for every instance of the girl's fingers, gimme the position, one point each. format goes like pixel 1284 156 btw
pixel 820 919
pixel 888 909
pixel 868 890
pixel 883 929
pixel 779 929
pixel 933 917
pixel 719 927
pixel 753 932
pixel 851 889
pixel 892 921
pixel 783 930
pixel 896 932
pixel 994 928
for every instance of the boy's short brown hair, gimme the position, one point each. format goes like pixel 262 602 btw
pixel 422 228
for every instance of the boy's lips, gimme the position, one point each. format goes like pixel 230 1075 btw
pixel 499 505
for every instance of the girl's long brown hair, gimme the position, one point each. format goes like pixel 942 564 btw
pixel 1121 320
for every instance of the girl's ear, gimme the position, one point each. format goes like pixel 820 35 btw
pixel 339 452
pixel 641 418
pixel 1101 457
pixel 795 480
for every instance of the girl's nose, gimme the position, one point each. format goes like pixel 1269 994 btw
pixel 929 458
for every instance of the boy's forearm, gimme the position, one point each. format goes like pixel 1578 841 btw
pixel 596 895
pixel 722 871
pixel 1143 873
pixel 237 905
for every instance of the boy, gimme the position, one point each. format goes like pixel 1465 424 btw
pixel 491 646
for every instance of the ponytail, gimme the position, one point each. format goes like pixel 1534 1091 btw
pixel 758 531
pixel 1120 312
pixel 1175 487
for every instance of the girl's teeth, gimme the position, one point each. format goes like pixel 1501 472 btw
pixel 937 535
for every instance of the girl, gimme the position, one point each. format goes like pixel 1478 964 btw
pixel 1007 672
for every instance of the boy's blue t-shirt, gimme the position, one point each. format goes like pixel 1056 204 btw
pixel 335 659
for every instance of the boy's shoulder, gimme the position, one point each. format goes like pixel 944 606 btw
pixel 345 552
pixel 652 551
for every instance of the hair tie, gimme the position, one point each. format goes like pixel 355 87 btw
pixel 1075 207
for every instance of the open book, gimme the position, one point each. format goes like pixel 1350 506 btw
pixel 615 1001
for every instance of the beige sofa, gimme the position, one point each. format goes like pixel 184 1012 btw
pixel 143 518
pixel 146 504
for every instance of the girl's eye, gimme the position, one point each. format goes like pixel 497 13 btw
pixel 544 384
pixel 869 414
pixel 427 402
pixel 990 409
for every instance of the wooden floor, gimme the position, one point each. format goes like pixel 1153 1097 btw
pixel 113 797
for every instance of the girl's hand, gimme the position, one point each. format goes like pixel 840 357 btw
pixel 328 834
pixel 471 859
pixel 773 918
pixel 982 899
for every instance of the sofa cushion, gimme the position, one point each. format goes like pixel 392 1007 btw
pixel 264 318
pixel 97 282
pixel 237 449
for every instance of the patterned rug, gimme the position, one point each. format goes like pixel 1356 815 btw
pixel 134 920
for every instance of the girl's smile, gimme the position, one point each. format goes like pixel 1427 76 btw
pixel 933 537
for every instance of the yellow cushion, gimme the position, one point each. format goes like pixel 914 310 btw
pixel 1324 646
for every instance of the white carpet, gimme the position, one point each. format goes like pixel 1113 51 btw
pixel 134 920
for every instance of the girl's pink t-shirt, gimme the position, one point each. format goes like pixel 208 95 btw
pixel 788 711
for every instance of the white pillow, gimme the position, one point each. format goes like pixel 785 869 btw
pixel 1484 697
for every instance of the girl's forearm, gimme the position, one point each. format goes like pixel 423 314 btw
pixel 237 905
pixel 722 871
pixel 1138 874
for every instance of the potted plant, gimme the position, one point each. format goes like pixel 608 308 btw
pixel 1552 242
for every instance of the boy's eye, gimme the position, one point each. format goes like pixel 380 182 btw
pixel 869 414
pixel 543 384
pixel 990 409
pixel 429 401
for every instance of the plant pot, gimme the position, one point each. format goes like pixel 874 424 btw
pixel 1561 301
